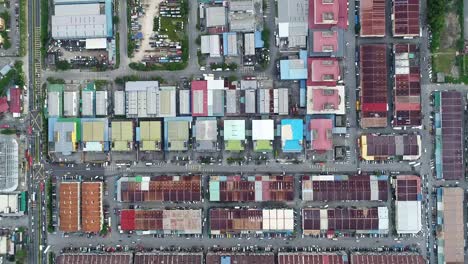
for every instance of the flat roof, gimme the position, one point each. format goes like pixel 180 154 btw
pixel 9 204
pixel 407 93
pixel 234 130
pixel 215 16
pixel 160 188
pixel 344 188
pixel 372 18
pixel 294 14
pixel 292 134
pixel 237 257
pixel 169 257
pixel 77 9
pixel 69 207
pixel 64 136
pixel 406 18
pixel 386 258
pixel 91 207
pixel 79 26
pixel 259 188
pixel 374 103
pixel 206 130
pixel 114 258
pixel 321 134
pixel 122 131
pixel 93 130
pixel 312 258
pixel 408 217
pixel 9 168
pixel 263 129
pixel 150 135
pixel 177 132
pixel 407 146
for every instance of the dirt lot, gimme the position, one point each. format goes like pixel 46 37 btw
pixel 151 10
pixel 451 32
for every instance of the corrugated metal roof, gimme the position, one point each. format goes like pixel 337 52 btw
pixel 119 102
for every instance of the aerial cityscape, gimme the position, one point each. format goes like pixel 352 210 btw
pixel 233 131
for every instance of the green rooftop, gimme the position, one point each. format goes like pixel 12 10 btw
pixel 263 145
pixel 234 145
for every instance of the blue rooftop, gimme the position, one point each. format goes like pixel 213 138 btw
pixel 294 69
pixel 292 134
pixel 109 18
pixel 258 40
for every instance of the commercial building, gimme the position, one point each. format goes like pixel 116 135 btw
pixel 386 258
pixel 326 100
pixel 95 134
pixel 69 207
pixel 372 18
pixel 292 135
pixel 328 14
pixel 408 211
pixel 10 205
pixel 55 100
pixel 159 189
pixel 344 188
pixel 145 222
pixel 9 169
pixel 294 69
pixel 122 135
pixel 450 225
pixel 326 42
pixel 323 71
pixel 176 133
pixel 321 134
pixel 448 124
pixel 380 147
pixel 64 135
pixel 147 99
pixel 234 135
pixel 374 103
pixel 169 257
pixel 259 188
pixel 208 98
pixel 211 44
pixel 149 135
pixel 226 221
pixel 115 258
pixel 406 18
pixel 263 135
pixel 293 22
pixel 206 134
pixel 215 16
pixel 312 258
pixel 407 93
pixel 15 95
pixel 334 221
pixel 239 257
pixel 91 207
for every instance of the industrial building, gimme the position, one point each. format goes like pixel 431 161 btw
pixel 211 44
pixel 63 135
pixel 373 97
pixel 69 207
pixel 406 18
pixel 234 135
pixel 92 217
pixel 184 102
pixel 87 102
pixel 167 222
pixel 71 103
pixel 122 135
pixel 55 100
pixel 372 18
pixel 407 92
pixel 334 221
pixel 344 188
pixel 448 124
pixel 293 22
pixel 215 16
pixel 169 257
pixel 259 188
pixel 119 103
pixel 326 100
pixel 381 147
pixel 208 97
pixel 249 44
pixel 294 69
pixel 230 46
pixel 148 99
pixel 313 258
pixel 408 211
pixel 242 15
pixel 450 225
pixel 149 136
pixel 206 134
pixel 176 133
pixel 101 103
pixel 263 135
pixel 386 258
pixel 159 189
pixel 9 167
pixel 95 134
pixel 12 204
pixel 227 221
pixel 292 135
pixel 239 257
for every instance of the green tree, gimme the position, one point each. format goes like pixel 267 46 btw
pixel 63 65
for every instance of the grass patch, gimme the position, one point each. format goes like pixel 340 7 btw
pixel 117 50
pixel 169 27
pixel 436 19
pixel 14 77
pixel 133 78
pixel 6 39
pixel 44 26
pixel 22 27
pixel 49 190
pixel 444 61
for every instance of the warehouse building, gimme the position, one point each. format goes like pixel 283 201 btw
pixel 166 222
pixel 101 103
pixel 10 205
pixel 159 189
pixel 294 69
pixel 450 225
pixel 249 44
pixel 293 22
pixel 292 135
pixel 234 135
pixel 70 103
pixel 335 221
pixel 263 135
pixel 408 204
pixel 64 135
pixel 55 99
pixel 211 44
pixel 344 188
pixel 87 103
pixel 119 103
pixel 242 15
pixel 326 100
pixel 9 168
pixel 259 188
pixel 208 97
pixel 177 133
pixel 239 257
pixel 69 207
pixel 215 16
pixel 147 99
pixel 381 147
pixel 206 134
pixel 313 258
pixel 230 44
pixel 122 135
pixel 95 134
pixel 224 221
pixel 149 135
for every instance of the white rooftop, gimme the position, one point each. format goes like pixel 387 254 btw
pixel 263 129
